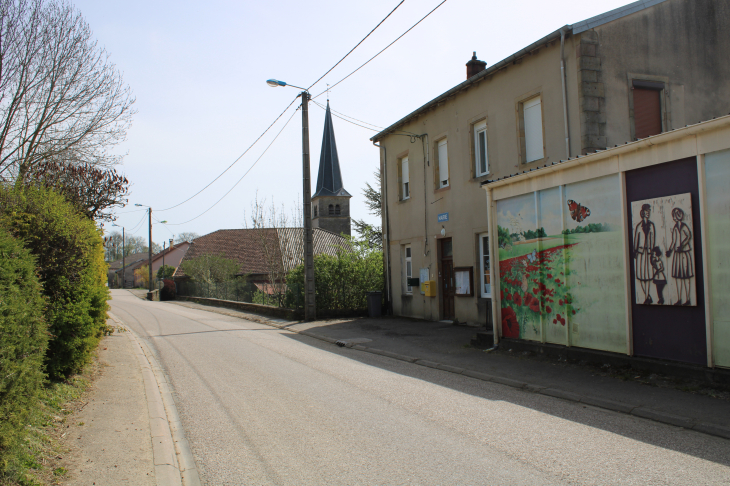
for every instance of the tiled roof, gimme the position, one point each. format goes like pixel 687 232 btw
pixel 246 246
pixel 128 260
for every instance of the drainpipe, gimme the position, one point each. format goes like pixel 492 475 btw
pixel 565 93
pixel 386 227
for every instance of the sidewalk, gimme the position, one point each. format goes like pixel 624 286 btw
pixel 447 347
pixel 129 432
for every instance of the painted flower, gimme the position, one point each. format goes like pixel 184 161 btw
pixel 549 309
pixel 555 321
pixel 510 327
pixel 508 296
pixel 573 311
pixel 517 299
pixel 535 305
pixel 534 290
pixel 560 302
pixel 549 275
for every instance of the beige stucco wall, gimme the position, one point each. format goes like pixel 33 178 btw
pixel 414 221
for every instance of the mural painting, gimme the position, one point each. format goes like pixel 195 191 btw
pixel 561 265
pixel 663 251
pixel 717 175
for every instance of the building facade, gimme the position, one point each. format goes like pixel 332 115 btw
pixel 646 68
pixel 628 249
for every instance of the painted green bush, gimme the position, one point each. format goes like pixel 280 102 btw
pixel 23 343
pixel 69 256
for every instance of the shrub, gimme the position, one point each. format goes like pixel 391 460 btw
pixel 143 274
pixel 23 342
pixel 210 267
pixel 165 271
pixel 70 261
pixel 168 290
pixel 341 282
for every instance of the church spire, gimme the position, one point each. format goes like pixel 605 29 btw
pixel 329 178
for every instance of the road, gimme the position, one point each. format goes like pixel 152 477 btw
pixel 265 406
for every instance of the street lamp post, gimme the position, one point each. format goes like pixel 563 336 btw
pixel 123 254
pixel 149 249
pixel 310 307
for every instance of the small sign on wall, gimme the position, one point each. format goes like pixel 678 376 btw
pixel 443 217
pixel 423 278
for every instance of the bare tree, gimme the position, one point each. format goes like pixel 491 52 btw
pixel 61 98
pixel 188 236
pixel 267 220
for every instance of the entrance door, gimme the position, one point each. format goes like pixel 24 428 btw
pixel 447 280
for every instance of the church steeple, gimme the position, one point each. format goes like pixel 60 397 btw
pixel 329 178
pixel 331 202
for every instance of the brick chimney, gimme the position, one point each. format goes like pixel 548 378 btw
pixel 474 66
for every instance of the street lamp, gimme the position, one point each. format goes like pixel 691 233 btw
pixel 124 270
pixel 310 308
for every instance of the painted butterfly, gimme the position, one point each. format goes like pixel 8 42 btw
pixel 578 212
pixel 532 257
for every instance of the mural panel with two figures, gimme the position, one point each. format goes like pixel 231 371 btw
pixel 663 251
pixel 561 265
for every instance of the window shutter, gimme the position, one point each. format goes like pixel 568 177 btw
pixel 532 115
pixel 443 164
pixel 647 112
pixel 406 177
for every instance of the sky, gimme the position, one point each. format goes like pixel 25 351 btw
pixel 198 71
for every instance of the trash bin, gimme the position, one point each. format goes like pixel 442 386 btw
pixel 375 304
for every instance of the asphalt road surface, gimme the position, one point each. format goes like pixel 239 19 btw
pixel 266 406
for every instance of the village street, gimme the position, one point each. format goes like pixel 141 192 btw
pixel 260 405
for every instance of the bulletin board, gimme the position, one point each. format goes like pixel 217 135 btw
pixel 464 281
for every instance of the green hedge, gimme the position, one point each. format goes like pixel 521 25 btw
pixel 70 260
pixel 23 342
pixel 341 282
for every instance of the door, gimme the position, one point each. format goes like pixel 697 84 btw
pixel 665 326
pixel 447 279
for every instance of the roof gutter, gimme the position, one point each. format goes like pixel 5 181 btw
pixel 476 78
pixel 665 137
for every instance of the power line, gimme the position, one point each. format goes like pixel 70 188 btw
pixel 235 161
pixel 346 116
pixel 363 40
pixel 376 55
pixel 244 175
pixel 345 119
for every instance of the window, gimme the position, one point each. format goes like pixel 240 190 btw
pixel 443 165
pixel 315 211
pixel 647 108
pixel 331 209
pixel 405 190
pixel 337 210
pixel 532 117
pixel 480 149
pixel 409 268
pixel 484 266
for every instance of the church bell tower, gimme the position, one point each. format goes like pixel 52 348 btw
pixel 331 202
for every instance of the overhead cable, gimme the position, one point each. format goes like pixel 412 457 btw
pixel 376 55
pixel 345 119
pixel 363 39
pixel 244 175
pixel 234 162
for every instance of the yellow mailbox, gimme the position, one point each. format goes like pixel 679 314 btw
pixel 429 288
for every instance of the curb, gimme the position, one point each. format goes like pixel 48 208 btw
pixel 614 406
pixel 173 459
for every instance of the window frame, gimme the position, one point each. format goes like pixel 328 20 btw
pixel 405 178
pixel 482 274
pixel 408 258
pixel 530 102
pixel 440 180
pixel 478 128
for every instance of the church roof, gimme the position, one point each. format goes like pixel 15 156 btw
pixel 329 178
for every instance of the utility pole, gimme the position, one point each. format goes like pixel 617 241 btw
pixel 310 308
pixel 163 257
pixel 150 247
pixel 124 270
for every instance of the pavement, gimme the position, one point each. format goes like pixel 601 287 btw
pixel 128 432
pixel 447 347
